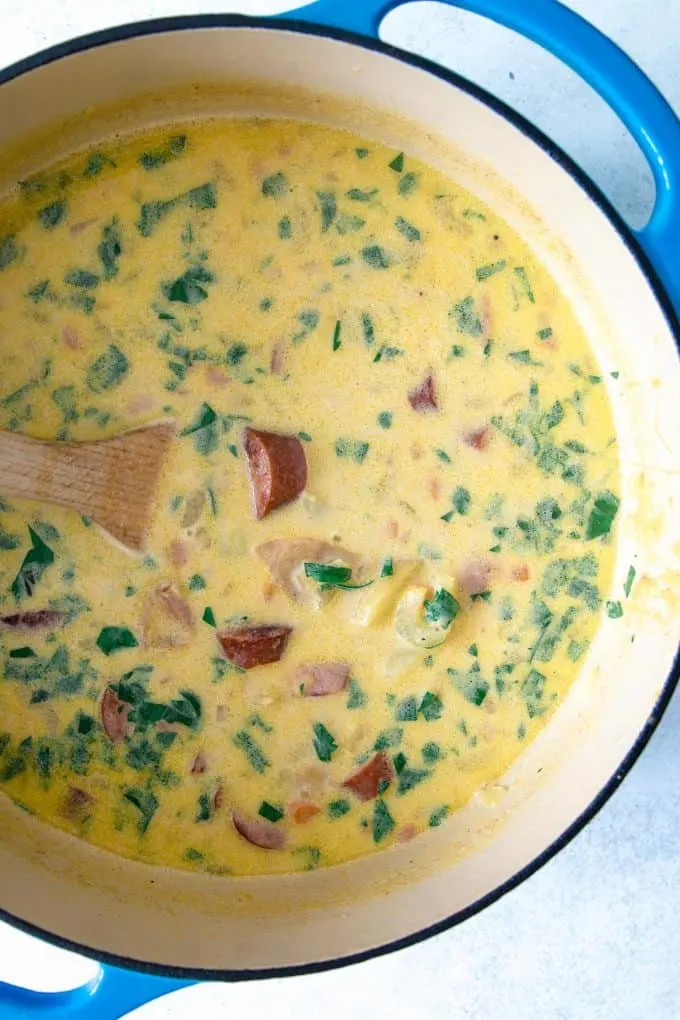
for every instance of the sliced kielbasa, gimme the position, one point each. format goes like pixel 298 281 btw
pixel 259 831
pixel 34 620
pixel 316 679
pixel 277 467
pixel 254 646
pixel 424 397
pixel 366 781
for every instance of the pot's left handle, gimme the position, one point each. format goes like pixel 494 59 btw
pixel 601 63
pixel 109 995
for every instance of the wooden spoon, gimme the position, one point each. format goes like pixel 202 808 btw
pixel 113 481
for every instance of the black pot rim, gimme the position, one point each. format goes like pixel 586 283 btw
pixel 206 21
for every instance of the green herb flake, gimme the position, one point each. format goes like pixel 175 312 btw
pixel 407 229
pixel 407 710
pixel 397 163
pixel 602 515
pixel 190 287
pixel 387 569
pixel 35 563
pixel 324 743
pixel 155 158
pixel 110 248
pixel 388 738
pixel 146 803
pixel 376 257
pixel 362 153
pixel 532 690
pixel 203 430
pixel 338 808
pixel 431 752
pixel 441 610
pixel 359 195
pixel 337 341
pixel 275 185
pixel 467 318
pixel 272 812
pixel 431 707
pixel 356 696
pixel 470 684
pixel 108 370
pixel 628 583
pixel 383 822
pixel 253 752
pixel 368 329
pixel 285 228
pixel 461 500
pixel 614 610
pixel 324 573
pixel 521 275
pixel 209 617
pixel 545 333
pixel 351 449
pixel 484 272
pixel 329 209
pixel 9 251
pixel 22 653
pixel 523 357
pixel 438 816
pixel 113 639
pixel 407 183
pixel 53 214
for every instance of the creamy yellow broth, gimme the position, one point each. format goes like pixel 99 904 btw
pixel 304 282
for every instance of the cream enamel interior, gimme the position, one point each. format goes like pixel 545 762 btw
pixel 115 906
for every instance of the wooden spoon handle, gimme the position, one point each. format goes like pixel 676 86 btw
pixel 112 480
pixel 43 471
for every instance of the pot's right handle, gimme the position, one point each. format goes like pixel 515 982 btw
pixel 597 60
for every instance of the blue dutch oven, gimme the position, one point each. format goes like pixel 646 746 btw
pixel 157 930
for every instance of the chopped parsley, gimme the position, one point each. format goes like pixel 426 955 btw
pixel 324 742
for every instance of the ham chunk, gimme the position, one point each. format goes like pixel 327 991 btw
pixel 478 439
pixel 277 468
pixel 114 714
pixel 316 679
pixel 367 780
pixel 424 397
pixel 259 831
pixel 254 646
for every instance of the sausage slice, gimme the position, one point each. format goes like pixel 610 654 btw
pixel 366 781
pixel 254 646
pixel 424 397
pixel 316 679
pixel 259 831
pixel 277 468
pixel 34 620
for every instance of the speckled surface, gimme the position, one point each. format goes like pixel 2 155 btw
pixel 595 935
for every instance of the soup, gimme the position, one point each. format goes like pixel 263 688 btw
pixel 383 538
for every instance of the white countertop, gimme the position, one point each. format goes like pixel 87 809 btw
pixel 595 935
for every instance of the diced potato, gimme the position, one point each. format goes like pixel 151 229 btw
pixel 372 606
pixel 411 620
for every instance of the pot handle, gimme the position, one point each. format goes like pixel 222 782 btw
pixel 602 65
pixel 110 994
